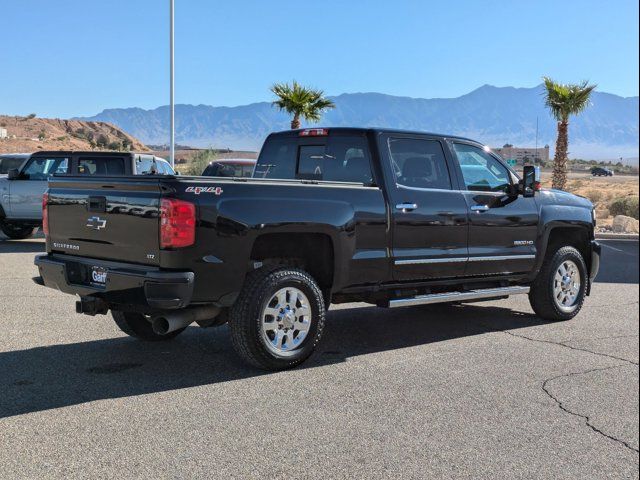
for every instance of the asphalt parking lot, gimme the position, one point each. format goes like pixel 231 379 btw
pixel 477 391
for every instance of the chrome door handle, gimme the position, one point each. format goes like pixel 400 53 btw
pixel 406 207
pixel 479 208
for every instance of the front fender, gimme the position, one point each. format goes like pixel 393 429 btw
pixel 560 216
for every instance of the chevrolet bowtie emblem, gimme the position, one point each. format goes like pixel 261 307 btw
pixel 96 223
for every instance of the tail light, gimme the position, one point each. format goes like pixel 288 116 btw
pixel 314 132
pixel 177 223
pixel 45 214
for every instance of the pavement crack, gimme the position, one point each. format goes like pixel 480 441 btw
pixel 566 345
pixel 586 418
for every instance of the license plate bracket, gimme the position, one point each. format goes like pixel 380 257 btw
pixel 99 276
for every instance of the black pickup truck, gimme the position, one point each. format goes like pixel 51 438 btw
pixel 392 218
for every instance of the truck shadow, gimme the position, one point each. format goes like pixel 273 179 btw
pixel 32 245
pixel 56 376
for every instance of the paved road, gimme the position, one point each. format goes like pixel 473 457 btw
pixel 480 391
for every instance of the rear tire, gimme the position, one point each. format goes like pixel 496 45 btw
pixel 15 231
pixel 136 325
pixel 278 318
pixel 559 290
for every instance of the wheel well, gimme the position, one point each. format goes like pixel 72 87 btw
pixel 570 236
pixel 309 251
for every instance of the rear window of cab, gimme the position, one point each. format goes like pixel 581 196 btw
pixel 334 158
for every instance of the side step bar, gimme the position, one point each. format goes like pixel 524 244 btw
pixel 458 296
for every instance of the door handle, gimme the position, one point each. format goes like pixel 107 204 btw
pixel 406 207
pixel 479 208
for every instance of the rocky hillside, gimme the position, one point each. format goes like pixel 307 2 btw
pixel 30 134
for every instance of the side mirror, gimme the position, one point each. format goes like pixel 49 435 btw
pixel 13 174
pixel 530 180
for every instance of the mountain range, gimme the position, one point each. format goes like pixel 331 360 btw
pixel 492 115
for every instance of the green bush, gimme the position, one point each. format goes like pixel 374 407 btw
pixel 200 161
pixel 624 206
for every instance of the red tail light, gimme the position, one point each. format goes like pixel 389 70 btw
pixel 45 214
pixel 314 132
pixel 177 223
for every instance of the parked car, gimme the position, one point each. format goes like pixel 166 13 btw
pixel 9 161
pixel 387 217
pixel 601 172
pixel 21 190
pixel 230 167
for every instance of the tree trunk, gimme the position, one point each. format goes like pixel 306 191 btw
pixel 560 159
pixel 295 123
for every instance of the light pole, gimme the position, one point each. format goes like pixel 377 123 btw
pixel 172 134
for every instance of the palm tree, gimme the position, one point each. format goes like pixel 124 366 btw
pixel 300 102
pixel 564 101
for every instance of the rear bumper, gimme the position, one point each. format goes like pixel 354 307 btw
pixel 126 284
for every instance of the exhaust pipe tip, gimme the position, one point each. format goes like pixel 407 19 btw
pixel 160 326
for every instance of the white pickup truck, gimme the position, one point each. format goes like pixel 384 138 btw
pixel 22 188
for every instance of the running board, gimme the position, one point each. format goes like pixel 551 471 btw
pixel 458 296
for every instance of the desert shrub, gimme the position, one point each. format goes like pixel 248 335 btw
pixel 62 138
pixel 594 195
pixel 31 116
pixel 200 161
pixel 114 145
pixel 602 212
pixel 624 206
pixel 102 140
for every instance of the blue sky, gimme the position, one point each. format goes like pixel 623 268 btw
pixel 70 57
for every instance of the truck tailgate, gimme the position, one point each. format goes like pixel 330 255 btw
pixel 105 218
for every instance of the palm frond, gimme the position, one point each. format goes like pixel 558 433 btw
pixel 564 100
pixel 301 101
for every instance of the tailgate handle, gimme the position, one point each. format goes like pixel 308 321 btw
pixel 97 204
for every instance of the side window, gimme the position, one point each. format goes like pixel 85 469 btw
pixel 419 163
pixel 101 166
pixel 42 168
pixel 480 170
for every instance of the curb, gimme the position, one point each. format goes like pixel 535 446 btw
pixel 616 236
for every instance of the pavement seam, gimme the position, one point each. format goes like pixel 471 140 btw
pixel 586 418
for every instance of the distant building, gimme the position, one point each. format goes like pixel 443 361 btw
pixel 3 133
pixel 524 155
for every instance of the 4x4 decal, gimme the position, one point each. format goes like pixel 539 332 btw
pixel 199 190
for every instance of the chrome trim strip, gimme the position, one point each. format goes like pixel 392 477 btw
pixel 497 258
pixel 500 258
pixel 458 296
pixel 418 261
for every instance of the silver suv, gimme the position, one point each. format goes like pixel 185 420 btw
pixel 22 188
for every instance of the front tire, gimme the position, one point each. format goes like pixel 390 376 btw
pixel 136 325
pixel 278 318
pixel 559 290
pixel 16 231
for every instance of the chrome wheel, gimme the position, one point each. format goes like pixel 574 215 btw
pixel 566 286
pixel 286 320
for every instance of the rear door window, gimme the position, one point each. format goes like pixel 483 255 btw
pixel 419 163
pixel 101 166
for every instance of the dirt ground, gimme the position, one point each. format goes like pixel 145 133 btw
pixel 600 190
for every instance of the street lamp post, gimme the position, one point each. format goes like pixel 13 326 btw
pixel 172 136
